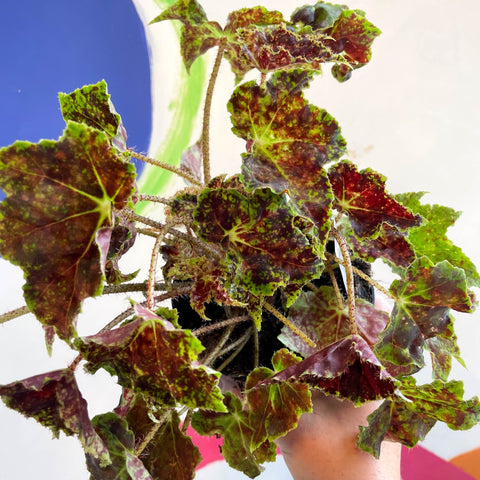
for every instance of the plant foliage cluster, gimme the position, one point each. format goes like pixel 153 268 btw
pixel 244 253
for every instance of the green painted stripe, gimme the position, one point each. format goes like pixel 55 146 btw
pixel 187 103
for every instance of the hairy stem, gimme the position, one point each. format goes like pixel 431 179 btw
pixel 160 226
pixel 18 312
pixel 347 263
pixel 338 294
pixel 153 198
pixel 358 272
pixel 183 290
pixel 131 215
pixel 289 324
pixel 237 346
pixel 73 366
pixel 207 111
pixel 152 432
pixel 166 166
pixel 214 353
pixel 131 287
pixel 153 266
pixel 224 323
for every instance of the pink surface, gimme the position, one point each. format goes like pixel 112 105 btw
pixel 420 464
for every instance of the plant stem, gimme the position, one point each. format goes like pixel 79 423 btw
pixel 152 432
pixel 18 312
pixel 289 324
pixel 131 287
pixel 166 166
pixel 207 111
pixel 213 354
pixel 153 265
pixel 224 323
pixel 338 294
pixel 73 366
pixel 153 198
pixel 131 215
pixel 358 272
pixel 347 263
pixel 184 290
pixel 240 343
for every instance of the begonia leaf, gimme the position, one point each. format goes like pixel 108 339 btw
pixel 390 244
pixel 149 354
pixel 289 141
pixel 275 409
pixel 444 402
pixel 401 344
pixel 170 453
pixel 207 281
pixel 409 417
pixel 395 420
pixel 429 285
pixel 263 233
pixel 54 400
pixel 425 295
pixel 252 16
pixel 234 426
pixel 442 348
pixel 430 240
pixel 121 240
pixel 319 16
pixel 347 368
pixel 198 34
pixel 56 220
pixel 318 315
pixel 362 196
pixel 91 105
pixel 191 161
pixel 353 35
pixel 120 442
pixel 258 38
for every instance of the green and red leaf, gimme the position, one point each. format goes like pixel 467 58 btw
pixel 362 196
pixel 122 240
pixel 424 296
pixel 347 368
pixel 430 240
pixel 262 39
pixel 120 442
pixel 289 141
pixel 58 216
pixel 170 453
pixel 263 234
pixel 91 105
pixel 276 408
pixel 321 318
pixel 409 417
pixel 198 34
pixel 395 420
pixel 54 400
pixel 149 354
pixel 238 446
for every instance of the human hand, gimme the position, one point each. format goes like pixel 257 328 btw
pixel 323 446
